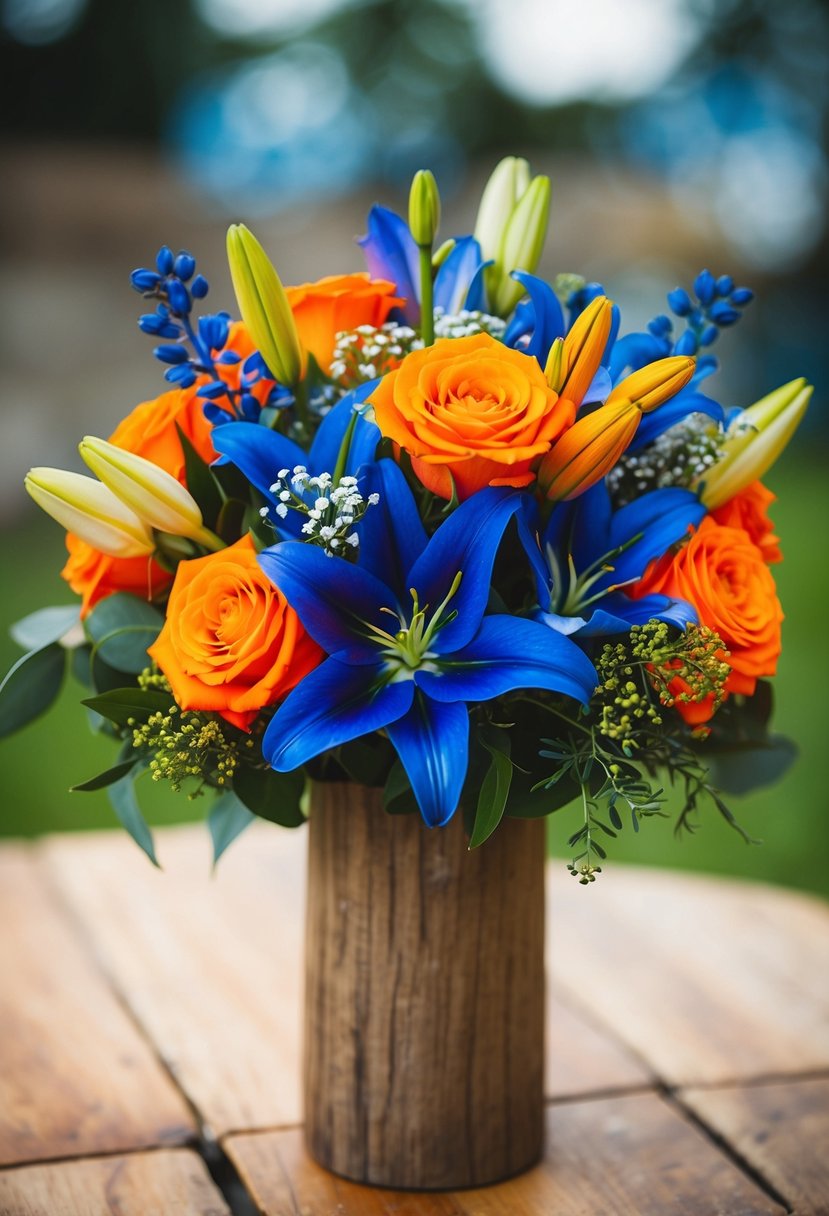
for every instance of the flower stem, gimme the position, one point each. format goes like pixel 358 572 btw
pixel 427 315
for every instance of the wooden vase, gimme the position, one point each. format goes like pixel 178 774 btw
pixel 424 1002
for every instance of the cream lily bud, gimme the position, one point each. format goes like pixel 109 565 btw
pixel 264 306
pixel 582 350
pixel 424 208
pixel 156 497
pixel 522 242
pixel 83 506
pixel 588 450
pixel 507 183
pixel 754 441
pixel 658 382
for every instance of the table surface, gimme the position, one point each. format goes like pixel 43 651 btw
pixel 149 1054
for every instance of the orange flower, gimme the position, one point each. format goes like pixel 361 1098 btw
pixel 93 575
pixel 721 572
pixel 338 302
pixel 748 510
pixel 472 410
pixel 231 643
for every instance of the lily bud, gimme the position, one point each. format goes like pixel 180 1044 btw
pixel 507 183
pixel 156 497
pixel 522 243
pixel 754 441
pixel 582 350
pixel 264 306
pixel 83 506
pixel 588 450
pixel 424 208
pixel 654 384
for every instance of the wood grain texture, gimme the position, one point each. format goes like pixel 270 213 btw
pixel 166 1183
pixel 708 981
pixel 781 1129
pixel 625 1156
pixel 424 996
pixel 210 965
pixel 76 1076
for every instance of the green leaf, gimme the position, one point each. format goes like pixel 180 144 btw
pixel 109 777
pixel 748 768
pixel 230 524
pixel 125 804
pixel 30 687
pixel 200 481
pixel 398 796
pixel 367 760
pixel 494 792
pixel 122 626
pixel 45 626
pixel 227 819
pixel 271 795
pixel 123 703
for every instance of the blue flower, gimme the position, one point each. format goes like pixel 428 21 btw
pixel 409 641
pixel 588 552
pixel 261 453
pixel 391 253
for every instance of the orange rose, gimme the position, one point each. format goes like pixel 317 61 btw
pixel 472 410
pixel 338 302
pixel 748 510
pixel 721 572
pixel 231 643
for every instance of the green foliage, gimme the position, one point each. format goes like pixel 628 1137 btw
pixel 125 804
pixel 121 627
pixel 492 799
pixel 45 626
pixel 228 818
pixel 274 796
pixel 31 686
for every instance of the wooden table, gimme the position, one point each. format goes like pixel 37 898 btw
pixel 150 1023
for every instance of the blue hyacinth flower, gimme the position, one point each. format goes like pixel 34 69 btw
pixel 409 640
pixel 260 453
pixel 391 253
pixel 588 552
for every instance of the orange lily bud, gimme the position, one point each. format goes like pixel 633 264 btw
pixel 582 350
pixel 588 450
pixel 657 382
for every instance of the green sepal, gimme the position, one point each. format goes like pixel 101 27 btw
pixel 109 777
pixel 271 795
pixel 30 687
pixel 228 818
pixel 121 627
pixel 492 798
pixel 200 481
pixel 120 704
pixel 125 804
pixel 47 625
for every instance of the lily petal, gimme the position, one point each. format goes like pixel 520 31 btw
pixel 457 274
pixel 391 253
pixel 392 536
pixel 546 318
pixel 662 517
pixel 258 452
pixel 333 704
pixel 432 741
pixel 687 401
pixel 322 457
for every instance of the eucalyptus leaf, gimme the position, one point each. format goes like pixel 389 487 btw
pixel 271 795
pixel 122 626
pixel 30 687
pixel 494 793
pixel 125 804
pixel 109 777
pixel 123 703
pixel 749 768
pixel 228 818
pixel 45 626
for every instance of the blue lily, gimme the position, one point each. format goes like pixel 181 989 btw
pixel 391 253
pixel 260 453
pixel 409 641
pixel 588 552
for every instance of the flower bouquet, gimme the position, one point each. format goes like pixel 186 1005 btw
pixel 437 544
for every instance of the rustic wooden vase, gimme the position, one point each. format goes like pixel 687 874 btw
pixel 424 1013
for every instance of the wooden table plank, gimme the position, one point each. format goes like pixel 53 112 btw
pixel 781 1129
pixel 213 969
pixel 76 1076
pixel 631 1155
pixel 142 1184
pixel 708 980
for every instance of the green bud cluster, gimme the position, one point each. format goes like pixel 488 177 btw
pixel 584 871
pixel 186 744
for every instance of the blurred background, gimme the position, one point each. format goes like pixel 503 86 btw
pixel 678 134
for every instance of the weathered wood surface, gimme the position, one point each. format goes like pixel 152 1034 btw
pixel 76 1076
pixel 165 1183
pixel 781 1129
pixel 629 1156
pixel 424 1024
pixel 709 981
